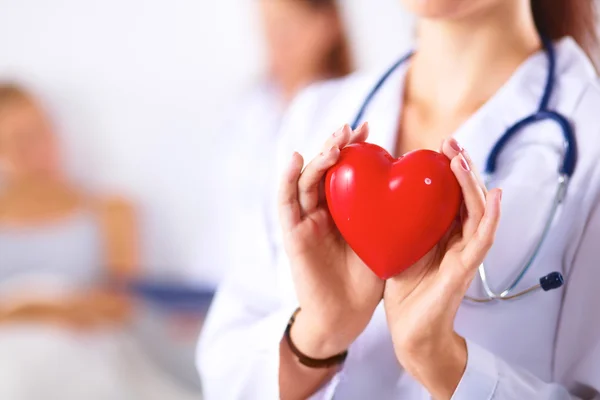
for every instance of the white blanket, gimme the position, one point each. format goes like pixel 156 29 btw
pixel 43 363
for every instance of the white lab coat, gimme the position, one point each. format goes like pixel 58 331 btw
pixel 543 346
pixel 240 171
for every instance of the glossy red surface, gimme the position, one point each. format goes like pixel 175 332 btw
pixel 391 212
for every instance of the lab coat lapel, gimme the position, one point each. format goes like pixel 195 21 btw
pixel 528 193
pixel 518 98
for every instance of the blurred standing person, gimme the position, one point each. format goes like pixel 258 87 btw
pixel 306 43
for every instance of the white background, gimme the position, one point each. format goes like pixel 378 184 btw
pixel 137 88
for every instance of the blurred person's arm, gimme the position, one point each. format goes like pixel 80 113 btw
pixel 86 310
pixel 103 304
pixel 120 233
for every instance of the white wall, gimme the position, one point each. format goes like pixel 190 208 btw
pixel 137 87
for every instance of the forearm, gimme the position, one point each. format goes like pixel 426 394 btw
pixel 297 382
pixel 33 311
pixel 438 366
pixel 111 307
pixel 88 308
pixel 465 371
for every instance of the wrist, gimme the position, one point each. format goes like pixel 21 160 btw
pixel 438 366
pixel 315 340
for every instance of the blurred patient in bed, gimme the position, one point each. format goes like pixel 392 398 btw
pixel 59 245
pixel 64 253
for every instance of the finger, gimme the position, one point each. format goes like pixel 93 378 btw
pixel 451 148
pixel 471 165
pixel 481 242
pixel 473 195
pixel 339 138
pixel 289 208
pixel 310 179
pixel 360 134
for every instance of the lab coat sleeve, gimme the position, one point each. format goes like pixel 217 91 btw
pixel 238 351
pixel 576 372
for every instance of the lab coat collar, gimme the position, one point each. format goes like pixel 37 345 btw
pixel 521 95
pixel 516 99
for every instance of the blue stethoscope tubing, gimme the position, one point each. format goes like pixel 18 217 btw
pixel 553 280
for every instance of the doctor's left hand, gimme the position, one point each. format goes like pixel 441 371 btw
pixel 422 302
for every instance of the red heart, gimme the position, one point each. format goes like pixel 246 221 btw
pixel 391 212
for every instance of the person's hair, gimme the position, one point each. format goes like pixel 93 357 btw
pixel 339 60
pixel 576 18
pixel 11 93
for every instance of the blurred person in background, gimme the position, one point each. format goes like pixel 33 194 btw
pixel 65 255
pixel 50 228
pixel 306 43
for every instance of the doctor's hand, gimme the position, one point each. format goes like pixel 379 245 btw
pixel 422 302
pixel 337 293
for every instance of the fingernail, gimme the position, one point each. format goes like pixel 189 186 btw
pixel 455 146
pixel 337 133
pixel 500 191
pixel 464 164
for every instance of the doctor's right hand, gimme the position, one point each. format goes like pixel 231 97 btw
pixel 337 293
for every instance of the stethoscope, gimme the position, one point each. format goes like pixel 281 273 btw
pixel 553 280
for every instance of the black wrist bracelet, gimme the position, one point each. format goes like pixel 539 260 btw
pixel 308 361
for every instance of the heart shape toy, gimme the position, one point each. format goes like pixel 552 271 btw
pixel 391 212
